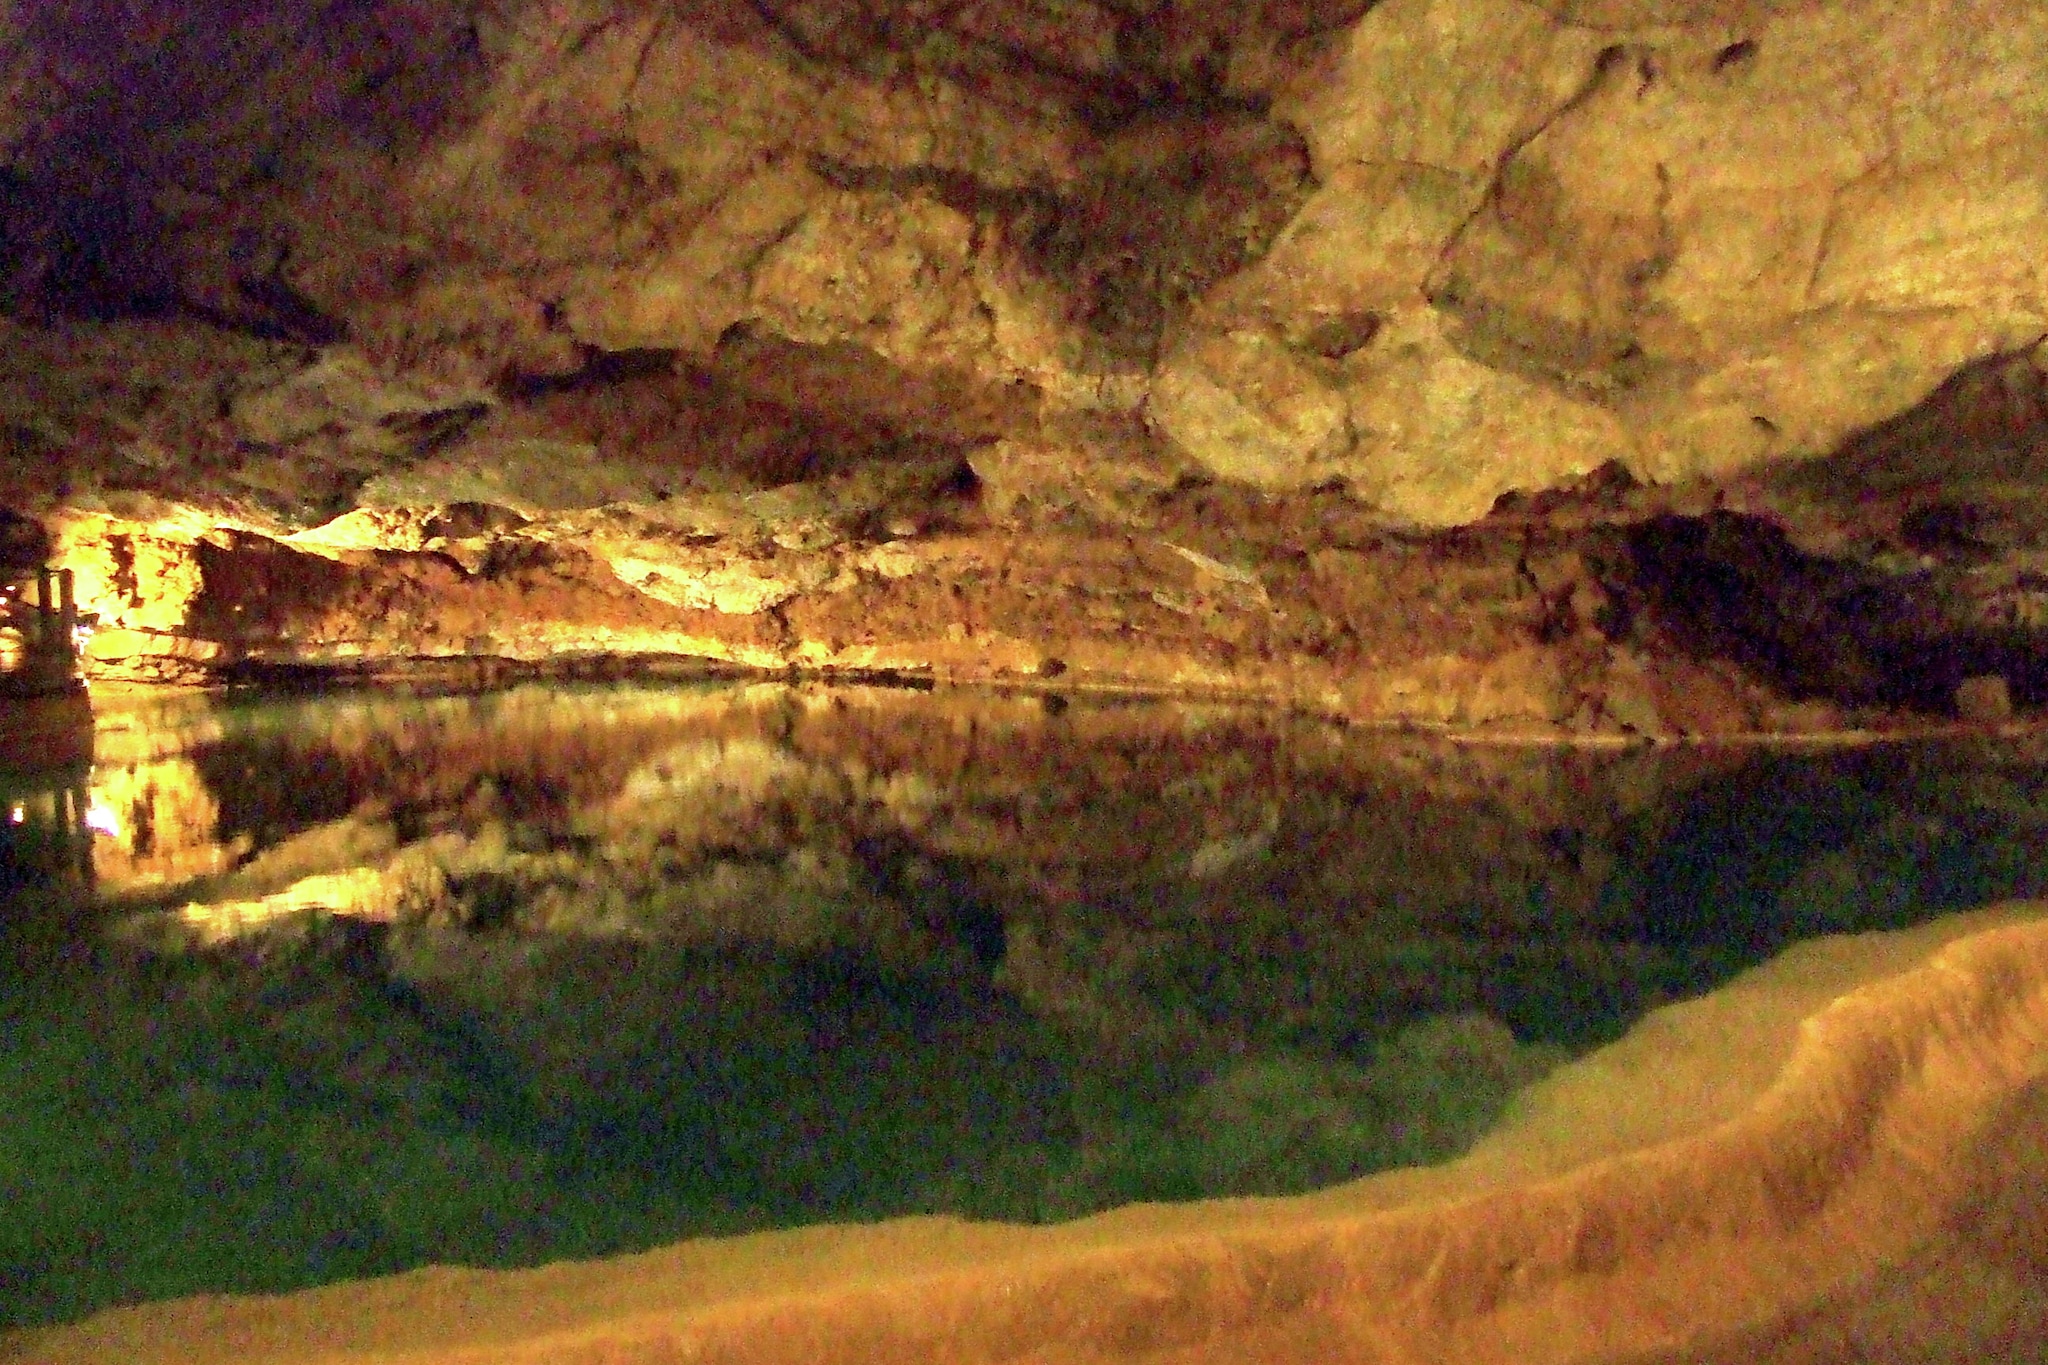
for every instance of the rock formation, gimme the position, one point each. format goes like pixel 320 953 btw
pixel 1180 345
pixel 1596 369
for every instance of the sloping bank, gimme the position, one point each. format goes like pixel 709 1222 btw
pixel 1841 1156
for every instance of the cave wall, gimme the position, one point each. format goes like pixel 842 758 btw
pixel 727 297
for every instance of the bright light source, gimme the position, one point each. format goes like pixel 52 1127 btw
pixel 100 818
pixel 17 813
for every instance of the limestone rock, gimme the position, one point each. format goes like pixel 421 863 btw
pixel 1440 436
pixel 719 300
pixel 1249 410
pixel 1744 237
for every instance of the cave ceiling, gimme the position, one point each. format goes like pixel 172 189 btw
pixel 1175 342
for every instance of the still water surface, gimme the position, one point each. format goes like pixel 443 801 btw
pixel 299 989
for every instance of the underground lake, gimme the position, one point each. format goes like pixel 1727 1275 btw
pixel 303 989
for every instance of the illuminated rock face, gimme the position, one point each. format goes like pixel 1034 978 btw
pixel 1445 249
pixel 1692 238
pixel 730 330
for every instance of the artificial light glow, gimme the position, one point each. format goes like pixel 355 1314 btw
pixel 17 814
pixel 368 892
pixel 100 819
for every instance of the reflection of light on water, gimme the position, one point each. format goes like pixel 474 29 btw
pixel 100 819
pixel 361 893
pixel 155 821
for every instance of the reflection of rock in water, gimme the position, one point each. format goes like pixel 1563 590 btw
pixel 45 839
pixel 45 808
pixel 1196 878
pixel 159 823
pixel 1788 847
pixel 637 963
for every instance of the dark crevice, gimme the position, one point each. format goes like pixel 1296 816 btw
pixel 1341 334
pixel 959 482
pixel 957 190
pixel 1737 54
pixel 763 410
pixel 1733 586
pixel 600 369
pixel 427 432
pixel 288 315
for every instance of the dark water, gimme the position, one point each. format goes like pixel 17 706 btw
pixel 303 989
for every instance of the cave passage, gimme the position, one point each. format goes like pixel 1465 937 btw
pixel 301 989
